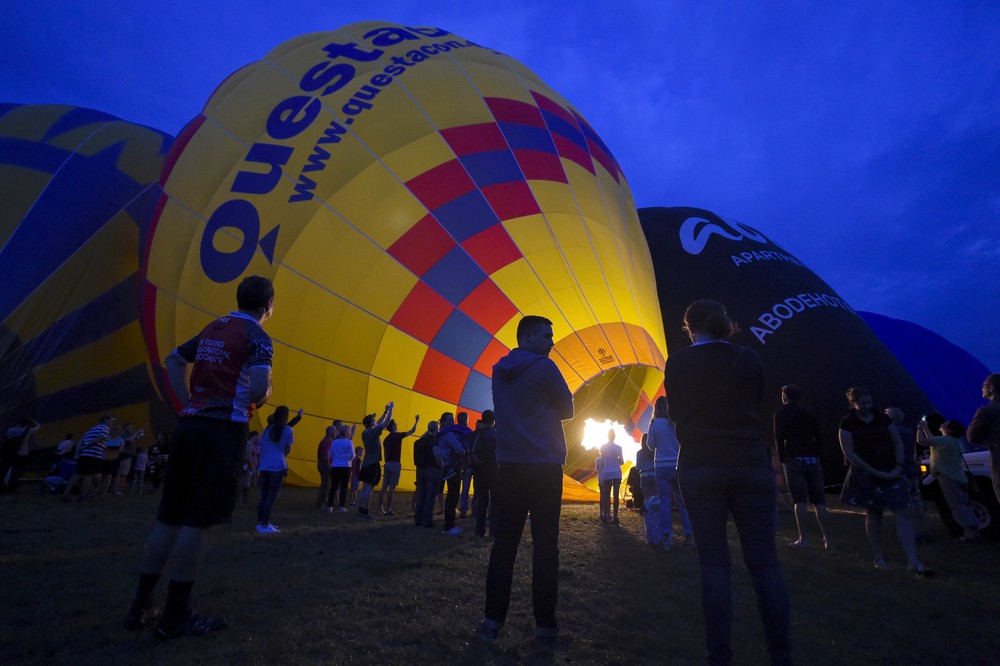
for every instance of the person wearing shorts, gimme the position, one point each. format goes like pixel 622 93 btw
pixel 230 374
pixel 371 465
pixel 797 437
pixel 392 448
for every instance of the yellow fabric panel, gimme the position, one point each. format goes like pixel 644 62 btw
pixel 140 146
pixel 240 109
pixel 300 379
pixel 19 188
pixel 495 81
pixel 553 197
pixel 344 393
pixel 210 159
pixel 105 260
pixel 351 267
pixel 399 358
pixel 367 190
pixel 138 414
pixel 32 122
pixel 443 93
pixel 110 355
pixel 392 121
pixel 574 491
pixel 419 156
pixel 521 286
pixel 588 197
pixel 508 334
pixel 391 216
pixel 530 233
pixel 361 335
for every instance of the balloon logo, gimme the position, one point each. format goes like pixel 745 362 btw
pixel 76 185
pixel 412 195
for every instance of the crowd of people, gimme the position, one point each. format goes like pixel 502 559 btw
pixel 703 453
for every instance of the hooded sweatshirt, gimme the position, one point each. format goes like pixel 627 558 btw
pixel 530 400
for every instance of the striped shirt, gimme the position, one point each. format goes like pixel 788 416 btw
pixel 95 441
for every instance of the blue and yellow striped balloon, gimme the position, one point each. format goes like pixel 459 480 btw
pixel 75 187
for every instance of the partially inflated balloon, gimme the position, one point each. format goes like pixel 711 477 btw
pixel 950 376
pixel 412 194
pixel 75 185
pixel 805 332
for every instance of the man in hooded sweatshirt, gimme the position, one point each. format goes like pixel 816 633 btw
pixel 530 401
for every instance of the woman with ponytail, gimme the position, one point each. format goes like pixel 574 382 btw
pixel 276 442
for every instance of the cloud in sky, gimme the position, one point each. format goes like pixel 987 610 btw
pixel 863 137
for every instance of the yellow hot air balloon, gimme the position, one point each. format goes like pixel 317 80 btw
pixel 75 188
pixel 412 194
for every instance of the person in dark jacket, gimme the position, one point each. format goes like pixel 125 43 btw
pixel 797 438
pixel 985 427
pixel 715 390
pixel 530 401
pixel 483 460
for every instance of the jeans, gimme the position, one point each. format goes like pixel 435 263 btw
pixel 712 494
pixel 485 479
pixel 324 485
pixel 463 500
pixel 522 489
pixel 270 484
pixel 452 486
pixel 428 481
pixel 666 489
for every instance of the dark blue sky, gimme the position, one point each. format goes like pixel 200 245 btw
pixel 863 137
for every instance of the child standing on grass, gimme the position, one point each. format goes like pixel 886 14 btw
pixel 139 472
pixel 359 453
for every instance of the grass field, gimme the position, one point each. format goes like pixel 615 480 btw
pixel 332 589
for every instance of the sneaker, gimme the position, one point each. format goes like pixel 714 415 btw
pixel 488 631
pixel 137 619
pixel 342 510
pixel 454 531
pixel 267 529
pixel 880 563
pixel 329 509
pixel 192 625
pixel 390 512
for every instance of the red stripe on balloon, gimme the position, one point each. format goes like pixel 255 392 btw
pixel 422 313
pixel 492 249
pixel 441 377
pixel 422 246
pixel 488 306
pixel 470 139
pixel 441 184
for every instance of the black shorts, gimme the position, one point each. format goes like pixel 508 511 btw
pixel 370 474
pixel 87 466
pixel 203 477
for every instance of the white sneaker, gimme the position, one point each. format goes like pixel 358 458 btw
pixel 342 509
pixel 329 509
pixel 455 531
pixel 267 529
